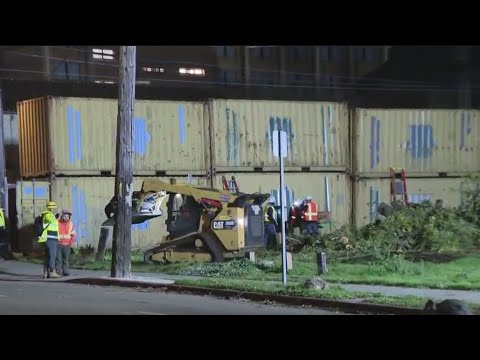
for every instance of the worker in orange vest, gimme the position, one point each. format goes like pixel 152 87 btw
pixel 66 232
pixel 310 216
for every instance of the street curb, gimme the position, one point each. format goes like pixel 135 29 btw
pixel 344 306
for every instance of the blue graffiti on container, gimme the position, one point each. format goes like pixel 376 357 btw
pixel 141 136
pixel 182 123
pixel 74 122
pixel 141 227
pixel 421 141
pixel 280 123
pixel 40 192
pixel 79 213
pixel 233 137
pixel 466 128
pixel 375 128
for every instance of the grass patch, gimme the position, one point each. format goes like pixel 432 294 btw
pixel 461 273
pixel 296 289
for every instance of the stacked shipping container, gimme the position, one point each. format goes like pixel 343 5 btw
pixel 64 140
pixel 435 147
pixel 74 138
pixel 317 159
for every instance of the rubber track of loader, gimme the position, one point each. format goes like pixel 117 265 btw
pixel 214 248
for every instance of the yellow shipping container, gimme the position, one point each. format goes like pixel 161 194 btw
pixel 77 136
pixel 330 191
pixel 87 197
pixel 242 130
pixel 370 192
pixel 424 142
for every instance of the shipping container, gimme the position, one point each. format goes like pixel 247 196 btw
pixel 87 198
pixel 242 135
pixel 77 136
pixel 424 142
pixel 368 193
pixel 331 191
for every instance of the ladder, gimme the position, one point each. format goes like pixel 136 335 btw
pixel 230 185
pixel 398 184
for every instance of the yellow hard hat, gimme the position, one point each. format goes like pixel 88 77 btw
pixel 51 204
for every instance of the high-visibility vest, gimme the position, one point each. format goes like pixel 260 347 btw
pixel 311 214
pixel 294 214
pixel 65 238
pixel 2 219
pixel 265 213
pixel 50 228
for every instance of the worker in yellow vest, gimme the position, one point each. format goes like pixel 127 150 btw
pixel 49 237
pixel 270 220
pixel 4 241
pixel 310 216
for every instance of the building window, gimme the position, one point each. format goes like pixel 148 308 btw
pixel 269 52
pixel 196 72
pixel 336 53
pixel 367 54
pixel 64 70
pixel 220 50
pixel 153 69
pixel 256 52
pixel 103 54
pixel 223 51
pixel 324 53
pixel 231 51
pixel 300 53
pixel 104 82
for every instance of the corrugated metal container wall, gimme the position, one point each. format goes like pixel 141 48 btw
pixel 10 129
pixel 424 142
pixel 329 191
pixel 242 130
pixel 34 137
pixel 31 200
pixel 87 197
pixel 167 136
pixel 370 192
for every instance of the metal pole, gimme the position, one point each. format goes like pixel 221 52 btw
pixel 282 207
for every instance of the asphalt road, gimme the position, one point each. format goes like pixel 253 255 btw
pixel 43 298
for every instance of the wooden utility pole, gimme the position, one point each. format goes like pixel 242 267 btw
pixel 3 171
pixel 122 229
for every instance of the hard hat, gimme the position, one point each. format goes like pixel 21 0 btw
pixel 51 204
pixel 297 202
pixel 308 197
pixel 271 200
pixel 66 211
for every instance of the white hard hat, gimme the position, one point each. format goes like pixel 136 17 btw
pixel 308 197
pixel 297 202
pixel 271 200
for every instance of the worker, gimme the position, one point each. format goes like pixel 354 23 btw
pixel 294 215
pixel 49 237
pixel 310 216
pixel 4 241
pixel 66 234
pixel 270 217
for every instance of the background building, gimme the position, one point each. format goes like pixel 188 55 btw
pixel 189 72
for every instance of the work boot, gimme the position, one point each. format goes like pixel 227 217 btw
pixel 53 275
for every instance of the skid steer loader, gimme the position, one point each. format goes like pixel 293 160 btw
pixel 203 224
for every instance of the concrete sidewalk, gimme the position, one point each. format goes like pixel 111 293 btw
pixel 11 270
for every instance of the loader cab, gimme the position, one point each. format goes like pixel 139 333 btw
pixel 183 215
